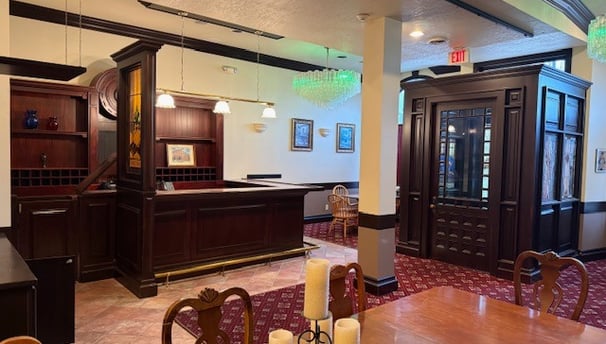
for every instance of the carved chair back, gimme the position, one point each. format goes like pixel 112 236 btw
pixel 20 340
pixel 547 293
pixel 341 304
pixel 208 306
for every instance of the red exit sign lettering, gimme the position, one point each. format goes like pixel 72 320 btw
pixel 458 56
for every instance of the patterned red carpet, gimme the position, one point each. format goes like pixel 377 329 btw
pixel 282 308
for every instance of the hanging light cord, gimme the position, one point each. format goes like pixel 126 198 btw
pixel 65 31
pixel 258 33
pixel 80 33
pixel 327 57
pixel 182 46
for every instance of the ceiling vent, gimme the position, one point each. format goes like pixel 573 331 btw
pixel 437 40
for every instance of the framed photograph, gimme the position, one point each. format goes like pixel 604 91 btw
pixel 302 134
pixel 346 138
pixel 180 155
pixel 600 160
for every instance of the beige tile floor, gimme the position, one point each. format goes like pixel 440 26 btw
pixel 106 312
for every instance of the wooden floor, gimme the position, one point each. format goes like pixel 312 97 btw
pixel 108 313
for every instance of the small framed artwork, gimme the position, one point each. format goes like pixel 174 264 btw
pixel 180 155
pixel 302 134
pixel 600 160
pixel 346 138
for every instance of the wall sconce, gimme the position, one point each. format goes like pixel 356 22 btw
pixel 259 127
pixel 324 132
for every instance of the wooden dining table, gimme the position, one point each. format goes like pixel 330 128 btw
pixel 448 315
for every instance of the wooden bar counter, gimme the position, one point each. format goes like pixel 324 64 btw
pixel 448 315
pixel 193 228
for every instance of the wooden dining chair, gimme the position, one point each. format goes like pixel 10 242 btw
pixel 343 213
pixel 208 306
pixel 20 340
pixel 342 191
pixel 547 293
pixel 341 303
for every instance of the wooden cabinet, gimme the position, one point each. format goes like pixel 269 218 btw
pixel 96 235
pixel 46 226
pixel 191 123
pixel 17 293
pixel 491 166
pixel 43 157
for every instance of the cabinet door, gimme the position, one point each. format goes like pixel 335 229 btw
pixel 97 230
pixel 46 227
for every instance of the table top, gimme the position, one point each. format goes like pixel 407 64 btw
pixel 449 315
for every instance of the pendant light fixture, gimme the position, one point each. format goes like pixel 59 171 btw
pixel 268 111
pixel 329 87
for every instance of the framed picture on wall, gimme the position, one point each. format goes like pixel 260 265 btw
pixel 600 160
pixel 302 134
pixel 346 138
pixel 180 155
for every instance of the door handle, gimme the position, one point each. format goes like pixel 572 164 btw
pixel 432 206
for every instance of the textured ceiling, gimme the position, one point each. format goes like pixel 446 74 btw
pixel 311 25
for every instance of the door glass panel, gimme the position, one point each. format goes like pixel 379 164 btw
pixel 568 166
pixel 549 166
pixel 464 154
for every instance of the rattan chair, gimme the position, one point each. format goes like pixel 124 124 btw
pixel 20 340
pixel 341 304
pixel 547 293
pixel 343 213
pixel 208 305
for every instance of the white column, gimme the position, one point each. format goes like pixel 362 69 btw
pixel 380 89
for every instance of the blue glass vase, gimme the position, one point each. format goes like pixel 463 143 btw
pixel 31 119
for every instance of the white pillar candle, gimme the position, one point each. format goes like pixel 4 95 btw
pixel 347 331
pixel 280 336
pixel 317 273
pixel 325 326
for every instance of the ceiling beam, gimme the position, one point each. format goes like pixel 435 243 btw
pixel 490 17
pixel 35 12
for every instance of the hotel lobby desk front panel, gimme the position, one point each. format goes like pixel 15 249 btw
pixel 200 226
pixel 448 315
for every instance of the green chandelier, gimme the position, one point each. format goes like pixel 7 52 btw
pixel 329 87
pixel 596 39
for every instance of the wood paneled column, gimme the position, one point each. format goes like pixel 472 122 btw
pixel 380 89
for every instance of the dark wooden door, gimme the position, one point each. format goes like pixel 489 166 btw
pixel 461 211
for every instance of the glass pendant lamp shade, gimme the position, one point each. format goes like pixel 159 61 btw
pixel 165 101
pixel 222 107
pixel 328 87
pixel 269 112
pixel 596 39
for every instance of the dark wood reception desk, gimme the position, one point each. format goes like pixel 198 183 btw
pixel 190 228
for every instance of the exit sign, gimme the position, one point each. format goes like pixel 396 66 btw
pixel 458 56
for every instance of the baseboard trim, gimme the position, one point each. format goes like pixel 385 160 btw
pixel 381 287
pixel 590 255
pixel 317 218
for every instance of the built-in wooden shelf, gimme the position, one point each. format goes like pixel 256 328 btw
pixel 47 176
pixel 177 174
pixel 82 134
pixel 184 139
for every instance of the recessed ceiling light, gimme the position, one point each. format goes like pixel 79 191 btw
pixel 416 34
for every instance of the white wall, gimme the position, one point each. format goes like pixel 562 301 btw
pixel 5 211
pixel 592 232
pixel 246 152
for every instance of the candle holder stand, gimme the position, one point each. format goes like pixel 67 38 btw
pixel 314 336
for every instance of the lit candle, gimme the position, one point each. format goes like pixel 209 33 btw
pixel 317 273
pixel 325 326
pixel 280 336
pixel 347 331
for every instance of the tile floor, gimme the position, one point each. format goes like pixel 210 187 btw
pixel 106 312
